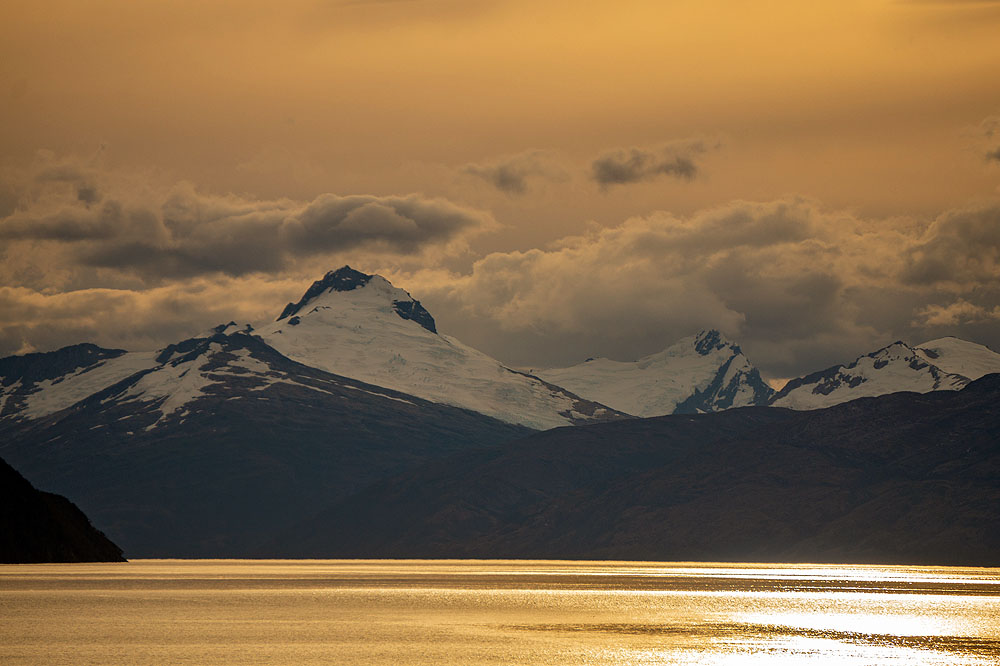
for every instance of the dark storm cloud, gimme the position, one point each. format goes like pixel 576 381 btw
pixel 189 234
pixel 87 193
pixel 67 225
pixel 633 165
pixel 512 175
pixel 961 247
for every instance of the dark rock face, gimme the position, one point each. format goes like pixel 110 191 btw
pixel 709 341
pixel 413 311
pixel 721 394
pixel 42 527
pixel 903 478
pixel 342 279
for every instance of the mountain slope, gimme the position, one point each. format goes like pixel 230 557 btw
pixel 42 527
pixel 897 367
pixel 960 357
pixel 904 478
pixel 39 384
pixel 360 326
pixel 224 441
pixel 702 373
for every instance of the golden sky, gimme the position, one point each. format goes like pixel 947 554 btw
pixel 527 136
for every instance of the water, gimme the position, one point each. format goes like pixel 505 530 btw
pixel 476 612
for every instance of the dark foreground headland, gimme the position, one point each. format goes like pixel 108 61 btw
pixel 36 526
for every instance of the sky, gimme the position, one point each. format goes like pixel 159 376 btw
pixel 553 180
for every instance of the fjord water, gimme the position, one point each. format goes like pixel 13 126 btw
pixel 495 612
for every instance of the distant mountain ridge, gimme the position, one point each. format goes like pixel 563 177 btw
pixel 348 323
pixel 933 366
pixel 361 326
pixel 211 450
pixel 38 384
pixel 701 373
pixel 707 373
pixel 903 478
pixel 213 445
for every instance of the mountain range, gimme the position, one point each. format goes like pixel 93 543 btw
pixel 212 446
pixel 906 478
pixel 215 446
pixel 361 326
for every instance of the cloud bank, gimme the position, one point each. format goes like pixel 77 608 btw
pixel 800 286
pixel 180 232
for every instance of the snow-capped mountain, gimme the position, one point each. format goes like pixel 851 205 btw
pixel 700 373
pixel 228 361
pixel 960 357
pixel 229 364
pixel 947 364
pixel 35 385
pixel 361 326
pixel 349 324
pixel 212 449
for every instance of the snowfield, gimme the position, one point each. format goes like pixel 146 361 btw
pixel 358 332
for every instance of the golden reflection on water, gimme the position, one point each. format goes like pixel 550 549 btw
pixel 495 612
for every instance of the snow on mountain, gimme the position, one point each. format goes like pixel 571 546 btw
pixel 361 326
pixel 960 357
pixel 224 442
pixel 231 364
pixel 33 386
pixel 891 369
pixel 701 373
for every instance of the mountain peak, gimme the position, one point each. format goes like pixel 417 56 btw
pixel 344 278
pixel 699 373
pixel 710 340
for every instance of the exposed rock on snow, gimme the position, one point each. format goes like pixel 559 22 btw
pixel 701 373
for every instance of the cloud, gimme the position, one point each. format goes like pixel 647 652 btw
pixel 959 312
pixel 137 319
pixel 179 232
pixel 960 249
pixel 66 225
pixel 511 175
pixel 989 129
pixel 633 165
pixel 801 287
